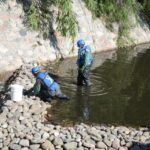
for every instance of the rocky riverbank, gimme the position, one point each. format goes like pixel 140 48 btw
pixel 23 126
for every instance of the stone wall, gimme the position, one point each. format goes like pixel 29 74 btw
pixel 19 45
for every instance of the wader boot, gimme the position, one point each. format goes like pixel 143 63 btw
pixel 84 76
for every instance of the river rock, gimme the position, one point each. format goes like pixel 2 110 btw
pixel 36 139
pixel 34 147
pixel 24 142
pixel 116 144
pixel 70 146
pixel 7 141
pixel 5 148
pixel 80 148
pixel 24 148
pixel 5 125
pixel 3 118
pixel 15 140
pixel 107 142
pixel 1 134
pixel 143 138
pixel 15 147
pixel 101 145
pixel 36 109
pixel 47 145
pixel 1 145
pixel 123 148
pixel 45 135
pixel 58 141
pixel 129 144
pixel 94 132
pixel 88 144
pixel 39 125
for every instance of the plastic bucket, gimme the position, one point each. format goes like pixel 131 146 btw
pixel 16 92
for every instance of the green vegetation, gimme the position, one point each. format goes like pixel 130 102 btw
pixel 67 24
pixel 40 15
pixel 115 12
pixel 146 8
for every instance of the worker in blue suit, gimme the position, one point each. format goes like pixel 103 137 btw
pixel 45 86
pixel 84 63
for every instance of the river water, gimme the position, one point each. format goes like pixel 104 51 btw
pixel 120 94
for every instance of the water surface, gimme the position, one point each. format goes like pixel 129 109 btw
pixel 120 93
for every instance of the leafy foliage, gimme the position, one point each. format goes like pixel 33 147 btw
pixel 146 8
pixel 66 20
pixel 118 11
pixel 39 17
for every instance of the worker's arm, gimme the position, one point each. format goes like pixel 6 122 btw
pixel 37 87
pixel 34 90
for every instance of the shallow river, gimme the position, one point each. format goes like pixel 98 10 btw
pixel 120 93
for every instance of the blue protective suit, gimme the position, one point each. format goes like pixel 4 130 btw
pixel 85 57
pixel 48 81
pixel 84 62
pixel 46 87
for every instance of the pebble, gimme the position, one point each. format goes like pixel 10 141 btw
pixel 101 145
pixel 24 142
pixel 70 146
pixel 34 146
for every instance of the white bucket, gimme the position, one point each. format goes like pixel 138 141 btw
pixel 16 92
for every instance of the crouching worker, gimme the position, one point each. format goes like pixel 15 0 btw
pixel 45 87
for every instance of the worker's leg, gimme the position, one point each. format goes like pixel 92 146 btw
pixel 80 77
pixel 60 95
pixel 86 75
pixel 45 95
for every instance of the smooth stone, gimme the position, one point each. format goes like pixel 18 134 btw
pixel 1 145
pixel 5 125
pixel 7 141
pixel 101 145
pixel 24 142
pixel 58 141
pixel 24 148
pixel 15 147
pixel 107 142
pixel 45 135
pixel 70 146
pixel 129 144
pixel 1 134
pixel 123 148
pixel 15 140
pixel 47 145
pixel 5 148
pixel 34 147
pixel 116 144
pixel 88 145
pixel 80 148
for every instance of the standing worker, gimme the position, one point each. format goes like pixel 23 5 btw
pixel 84 62
pixel 45 87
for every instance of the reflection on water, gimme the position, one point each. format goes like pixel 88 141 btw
pixel 120 93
